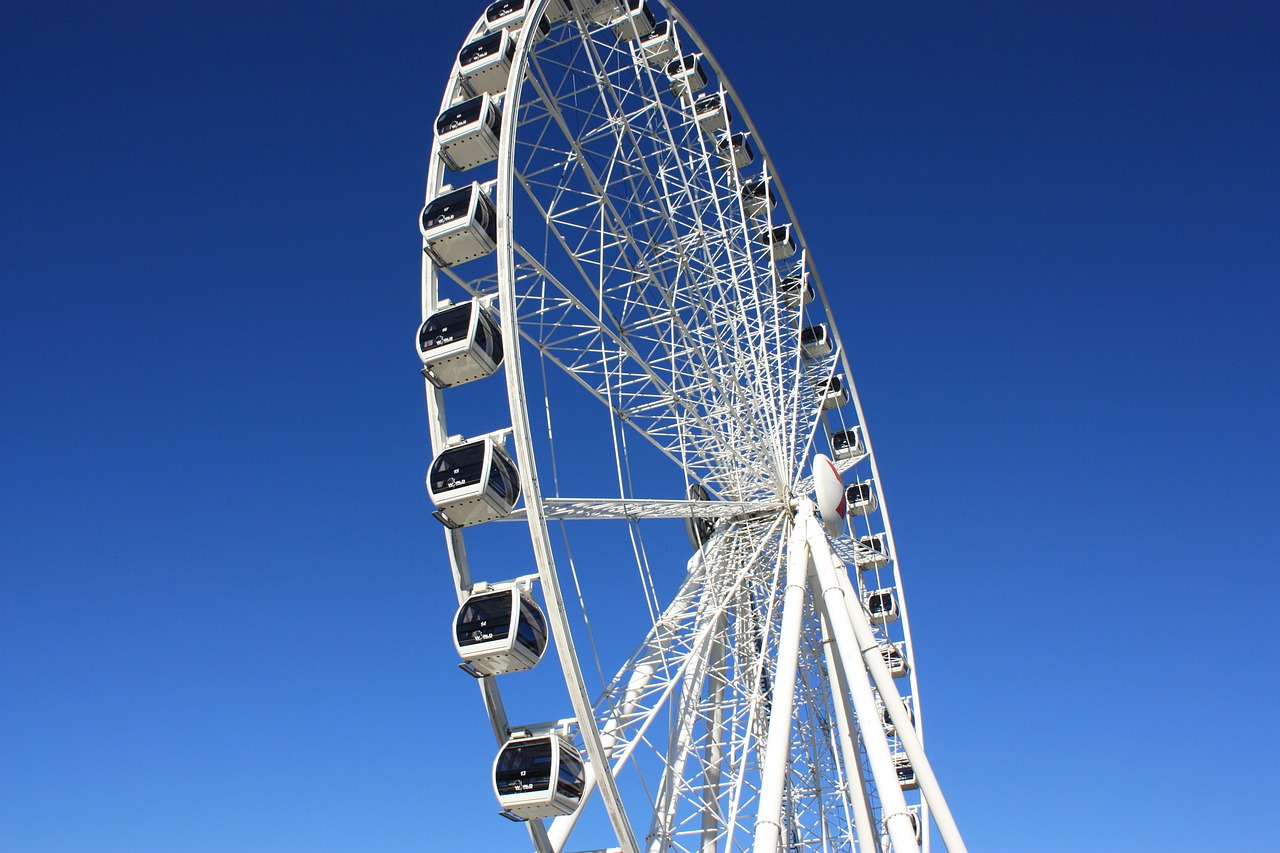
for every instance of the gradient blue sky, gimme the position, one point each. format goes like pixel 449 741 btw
pixel 1053 229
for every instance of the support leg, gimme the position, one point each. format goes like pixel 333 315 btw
pixel 894 804
pixel 777 755
pixel 870 650
pixel 867 837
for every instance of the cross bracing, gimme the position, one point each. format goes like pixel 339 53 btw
pixel 632 263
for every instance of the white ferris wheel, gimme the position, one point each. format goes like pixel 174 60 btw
pixel 635 388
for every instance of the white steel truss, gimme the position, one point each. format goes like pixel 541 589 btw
pixel 666 368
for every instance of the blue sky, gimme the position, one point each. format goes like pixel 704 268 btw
pixel 1054 229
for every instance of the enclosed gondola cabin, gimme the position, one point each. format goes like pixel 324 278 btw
pixel 459 344
pixel 881 606
pixel 915 825
pixel 499 632
pixel 686 75
pixel 873 553
pixel 906 773
pixel 659 46
pixel 485 63
pixel 636 23
pixel 834 394
pixel 894 659
pixel 711 113
pixel 459 226
pixel 468 133
pixel 598 11
pixel 779 240
pixel 697 528
pixel 539 776
pixel 796 291
pixel 510 15
pixel 847 444
pixel 887 719
pixel 861 498
pixel 736 149
pixel 757 196
pixel 815 341
pixel 473 482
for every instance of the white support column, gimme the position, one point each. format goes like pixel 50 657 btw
pixel 902 723
pixel 777 754
pixel 894 805
pixel 711 820
pixel 867 836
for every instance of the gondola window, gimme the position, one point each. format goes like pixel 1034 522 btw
pixel 458 468
pixel 524 768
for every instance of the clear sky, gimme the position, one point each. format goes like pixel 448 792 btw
pixel 1054 233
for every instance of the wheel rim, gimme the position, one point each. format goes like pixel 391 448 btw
pixel 628 269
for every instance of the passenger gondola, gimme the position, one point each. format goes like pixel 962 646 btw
pixel 815 341
pixel 887 719
pixel 847 444
pixel 915 824
pixel 510 15
pixel 485 63
pixel 796 291
pixel 473 482
pixel 468 132
pixel 459 226
pixel 894 659
pixel 874 553
pixel 686 75
pixel 906 774
pixel 459 344
pixel 711 113
pixel 834 394
pixel 757 196
pixel 598 11
pixel 736 148
pixel 698 529
pixel 881 606
pixel 538 776
pixel 500 631
pixel 779 241
pixel 636 22
pixel 659 46
pixel 861 498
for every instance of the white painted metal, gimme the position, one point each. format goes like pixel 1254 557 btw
pixel 484 65
pixel 640 678
pixel 855 783
pixel 557 617
pixel 468 133
pixel 897 819
pixel 777 755
pixel 490 696
pixel 711 817
pixel 829 492
pixel 463 229
pixel 534 798
pixel 903 724
pixel 627 271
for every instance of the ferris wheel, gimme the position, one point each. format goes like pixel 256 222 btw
pixel 649 457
